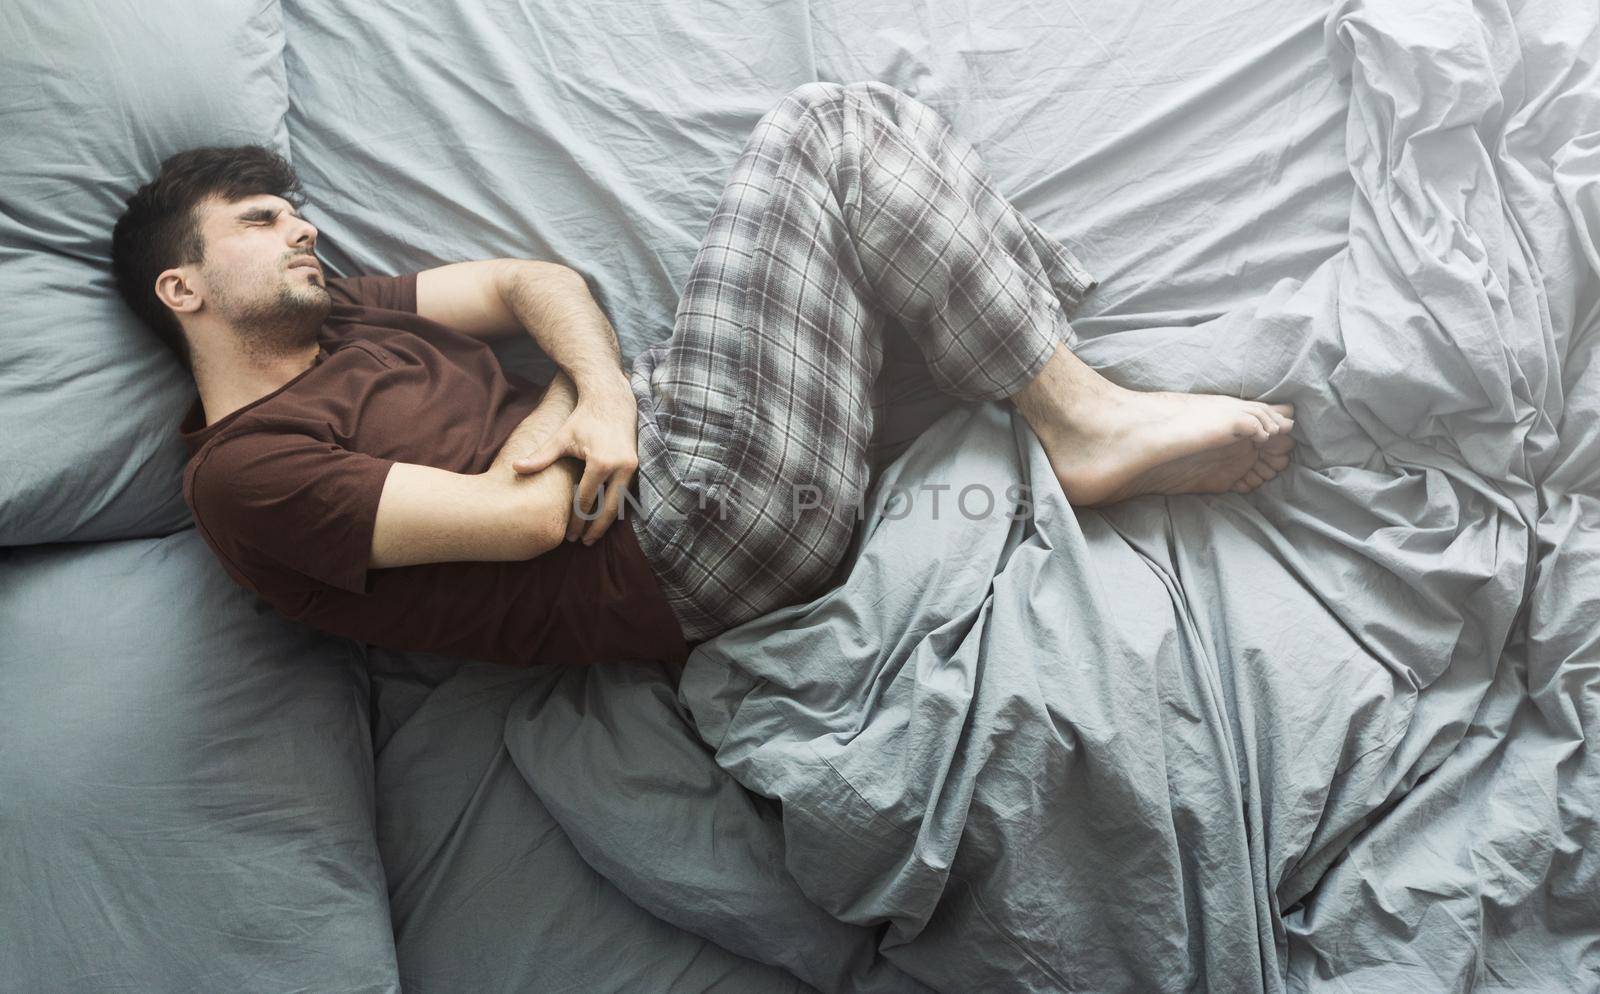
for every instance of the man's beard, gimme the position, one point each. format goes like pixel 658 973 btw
pixel 281 326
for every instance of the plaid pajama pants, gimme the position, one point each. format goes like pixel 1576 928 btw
pixel 854 211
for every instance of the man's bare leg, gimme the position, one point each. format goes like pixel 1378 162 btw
pixel 1107 443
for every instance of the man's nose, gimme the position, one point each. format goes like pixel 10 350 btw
pixel 305 233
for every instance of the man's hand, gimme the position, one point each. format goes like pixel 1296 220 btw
pixel 602 431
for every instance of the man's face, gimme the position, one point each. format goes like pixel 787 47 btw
pixel 260 274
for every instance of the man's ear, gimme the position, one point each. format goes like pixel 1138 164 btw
pixel 175 288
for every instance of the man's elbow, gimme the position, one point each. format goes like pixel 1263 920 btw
pixel 542 535
pixel 541 509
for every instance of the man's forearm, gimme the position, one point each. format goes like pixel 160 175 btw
pixel 554 485
pixel 560 397
pixel 554 304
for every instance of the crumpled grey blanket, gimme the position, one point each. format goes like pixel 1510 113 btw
pixel 1336 734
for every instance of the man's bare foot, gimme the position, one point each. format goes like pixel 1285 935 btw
pixel 1107 443
pixel 1169 443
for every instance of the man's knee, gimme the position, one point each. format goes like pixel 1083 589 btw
pixel 868 90
pixel 809 95
pixel 834 105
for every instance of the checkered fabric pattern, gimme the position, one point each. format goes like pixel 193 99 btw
pixel 853 210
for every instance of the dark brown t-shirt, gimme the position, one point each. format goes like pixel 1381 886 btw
pixel 285 491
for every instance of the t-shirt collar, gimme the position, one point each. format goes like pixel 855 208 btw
pixel 193 429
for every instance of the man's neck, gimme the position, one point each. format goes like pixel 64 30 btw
pixel 230 382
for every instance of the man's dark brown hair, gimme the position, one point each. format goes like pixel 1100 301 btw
pixel 161 227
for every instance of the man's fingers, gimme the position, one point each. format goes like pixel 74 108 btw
pixel 624 480
pixel 583 501
pixel 533 462
pixel 543 456
pixel 613 503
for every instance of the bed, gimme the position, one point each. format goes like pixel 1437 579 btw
pixel 1336 735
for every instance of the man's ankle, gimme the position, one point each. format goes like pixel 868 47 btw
pixel 1066 393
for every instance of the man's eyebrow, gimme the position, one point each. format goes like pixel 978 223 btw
pixel 265 213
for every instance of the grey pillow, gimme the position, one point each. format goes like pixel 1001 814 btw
pixel 186 797
pixel 95 95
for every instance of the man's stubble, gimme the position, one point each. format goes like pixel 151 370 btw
pixel 280 323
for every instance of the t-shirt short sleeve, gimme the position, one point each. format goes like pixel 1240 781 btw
pixel 291 501
pixel 390 293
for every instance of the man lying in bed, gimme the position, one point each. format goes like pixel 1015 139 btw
pixel 360 460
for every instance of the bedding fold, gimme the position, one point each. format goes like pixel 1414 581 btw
pixel 1157 746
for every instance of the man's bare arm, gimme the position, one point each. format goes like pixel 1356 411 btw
pixel 567 323
pixel 470 297
pixel 554 407
pixel 553 304
pixel 493 298
pixel 431 515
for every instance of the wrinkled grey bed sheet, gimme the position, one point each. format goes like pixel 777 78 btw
pixel 1335 735
pixel 1331 735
